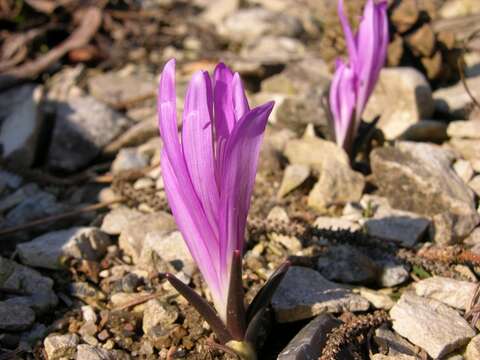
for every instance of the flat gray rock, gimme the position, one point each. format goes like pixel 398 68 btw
pixel 18 196
pixel 82 123
pixel 48 250
pixel 347 264
pixel 402 227
pixel 428 323
pixel 15 317
pixel 455 293
pixel 418 177
pixel 309 341
pixel 36 206
pixel 21 122
pixel 38 290
pixel 304 293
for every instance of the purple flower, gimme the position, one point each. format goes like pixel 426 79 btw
pixel 209 177
pixel 354 81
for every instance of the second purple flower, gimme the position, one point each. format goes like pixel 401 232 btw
pixel 355 79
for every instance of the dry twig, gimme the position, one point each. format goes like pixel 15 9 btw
pixel 91 20
pixel 57 217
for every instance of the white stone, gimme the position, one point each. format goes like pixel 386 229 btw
pixel 455 293
pixel 278 213
pixel 475 184
pixel 337 185
pixel 473 349
pixel 430 324
pixel 48 250
pixel 132 237
pixel 402 97
pixel 169 247
pixel 314 152
pixel 464 169
pixel 377 298
pixel 464 129
pixel 293 176
pixel 454 99
pixel 60 346
pixel 89 352
pixel 118 219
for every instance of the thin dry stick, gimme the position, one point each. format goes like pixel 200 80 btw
pixel 461 68
pixel 137 301
pixel 473 310
pixel 88 175
pixel 52 218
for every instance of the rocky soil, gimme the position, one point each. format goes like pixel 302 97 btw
pixel 385 249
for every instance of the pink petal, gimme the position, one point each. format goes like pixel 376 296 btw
pixel 167 112
pixel 382 40
pixel 195 229
pixel 197 142
pixel 240 102
pixel 334 98
pixel 223 101
pixel 347 30
pixel 342 101
pixel 373 37
pixel 181 194
pixel 238 177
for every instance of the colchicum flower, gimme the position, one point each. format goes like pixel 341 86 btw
pixel 354 80
pixel 209 177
